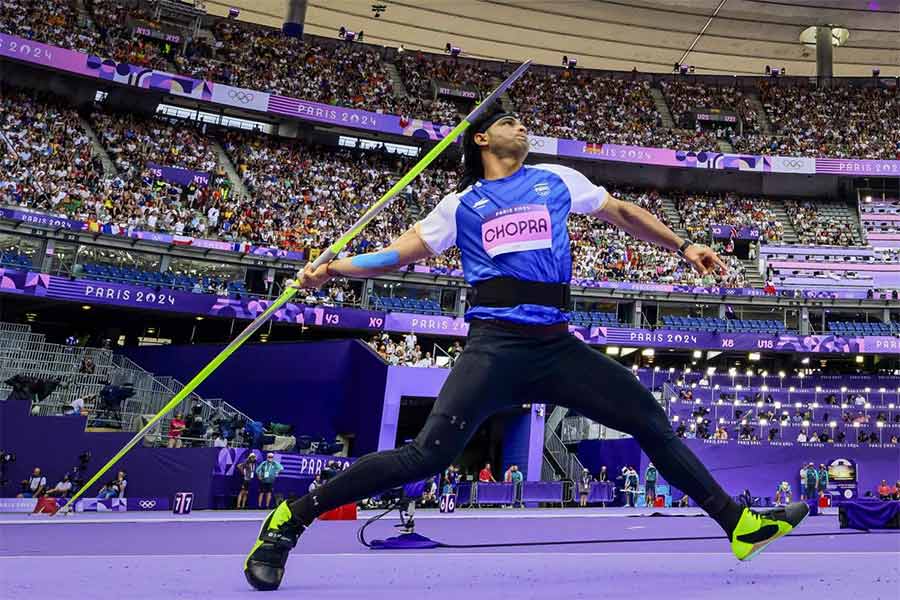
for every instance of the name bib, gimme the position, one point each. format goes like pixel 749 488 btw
pixel 516 229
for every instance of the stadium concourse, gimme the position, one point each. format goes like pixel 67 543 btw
pixel 167 168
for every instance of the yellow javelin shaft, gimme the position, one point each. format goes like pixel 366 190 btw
pixel 289 293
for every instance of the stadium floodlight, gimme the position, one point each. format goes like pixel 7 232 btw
pixel 859 358
pixel 698 354
pixel 805 423
pixel 833 424
pixel 648 352
pixel 781 374
pixel 656 369
pixel 792 389
pixel 291 290
pixel 805 361
pixel 612 350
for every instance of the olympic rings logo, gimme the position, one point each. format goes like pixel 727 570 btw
pixel 147 504
pixel 792 163
pixel 240 95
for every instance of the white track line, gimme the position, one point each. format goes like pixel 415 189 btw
pixel 442 555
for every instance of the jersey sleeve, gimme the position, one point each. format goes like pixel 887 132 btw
pixel 438 228
pixel 586 197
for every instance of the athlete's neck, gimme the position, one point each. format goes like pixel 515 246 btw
pixel 498 167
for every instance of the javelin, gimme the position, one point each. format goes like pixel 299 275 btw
pixel 323 258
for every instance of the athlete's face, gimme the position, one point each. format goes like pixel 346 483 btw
pixel 505 138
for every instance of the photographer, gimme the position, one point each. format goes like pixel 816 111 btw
pixel 37 483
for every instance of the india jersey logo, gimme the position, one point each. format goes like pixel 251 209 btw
pixel 542 190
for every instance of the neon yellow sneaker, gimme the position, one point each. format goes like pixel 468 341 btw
pixel 756 530
pixel 264 566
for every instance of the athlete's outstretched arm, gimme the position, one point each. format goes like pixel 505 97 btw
pixel 641 224
pixel 405 250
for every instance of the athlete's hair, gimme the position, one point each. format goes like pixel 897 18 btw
pixel 473 168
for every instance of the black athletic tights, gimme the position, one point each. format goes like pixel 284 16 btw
pixel 500 368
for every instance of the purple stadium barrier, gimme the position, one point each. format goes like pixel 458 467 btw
pixel 602 491
pixel 542 491
pixel 463 494
pixel 495 493
pixel 870 515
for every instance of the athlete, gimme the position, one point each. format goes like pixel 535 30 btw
pixel 509 223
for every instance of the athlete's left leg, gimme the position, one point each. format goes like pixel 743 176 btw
pixel 605 391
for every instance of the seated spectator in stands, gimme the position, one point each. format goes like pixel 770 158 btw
pixel 87 366
pixel 884 490
pixel 893 439
pixel 37 484
pixel 485 475
pixel 120 483
pixel 176 428
pixel 219 441
pixel 77 406
pixel 62 488
pixel 801 437
pixel 107 491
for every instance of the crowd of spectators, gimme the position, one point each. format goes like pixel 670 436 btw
pixel 699 211
pixel 599 109
pixel 260 58
pixel 841 121
pixel 814 227
pixel 601 252
pixel 407 352
pixel 683 96
pixel 132 141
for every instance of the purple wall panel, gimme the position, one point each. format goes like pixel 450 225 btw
pixel 314 386
pixel 54 443
pixel 756 467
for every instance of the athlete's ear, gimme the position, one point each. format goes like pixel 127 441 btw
pixel 480 139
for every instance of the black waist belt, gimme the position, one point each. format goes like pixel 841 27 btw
pixel 504 292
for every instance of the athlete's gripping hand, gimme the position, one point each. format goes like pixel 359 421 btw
pixel 310 278
pixel 704 259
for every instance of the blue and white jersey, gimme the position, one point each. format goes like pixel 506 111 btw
pixel 514 227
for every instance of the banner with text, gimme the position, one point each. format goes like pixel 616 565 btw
pixel 22 49
pixel 179 176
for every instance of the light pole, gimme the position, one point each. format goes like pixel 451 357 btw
pixel 781 379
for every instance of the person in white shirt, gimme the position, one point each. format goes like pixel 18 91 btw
pixel 315 482
pixel 801 437
pixel 77 407
pixel 220 442
pixel 410 340
pixel 62 488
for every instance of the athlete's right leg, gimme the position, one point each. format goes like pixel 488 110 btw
pixel 478 384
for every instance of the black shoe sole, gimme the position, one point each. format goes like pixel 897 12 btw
pixel 259 584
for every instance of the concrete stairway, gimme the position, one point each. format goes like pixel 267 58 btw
pixel 790 234
pixel 109 168
pixel 761 116
pixel 237 184
pixel 396 81
pixel 672 217
pixel 659 101
pixel 751 273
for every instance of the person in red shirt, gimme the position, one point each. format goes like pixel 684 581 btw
pixel 485 475
pixel 884 490
pixel 176 428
